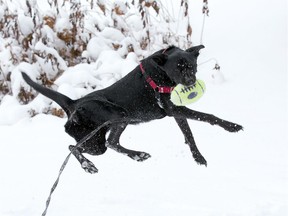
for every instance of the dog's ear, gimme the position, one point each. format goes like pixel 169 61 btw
pixel 160 59
pixel 195 50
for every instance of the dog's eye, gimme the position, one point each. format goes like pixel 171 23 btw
pixel 190 66
pixel 180 65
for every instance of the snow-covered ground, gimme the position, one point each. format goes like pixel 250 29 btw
pixel 247 173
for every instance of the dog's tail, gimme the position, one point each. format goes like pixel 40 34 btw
pixel 65 102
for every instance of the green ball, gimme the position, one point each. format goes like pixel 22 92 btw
pixel 184 95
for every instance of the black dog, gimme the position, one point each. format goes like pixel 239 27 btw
pixel 141 96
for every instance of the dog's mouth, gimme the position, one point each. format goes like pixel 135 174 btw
pixel 188 81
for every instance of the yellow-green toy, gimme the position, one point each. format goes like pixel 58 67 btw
pixel 184 95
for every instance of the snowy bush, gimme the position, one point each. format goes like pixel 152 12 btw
pixel 78 46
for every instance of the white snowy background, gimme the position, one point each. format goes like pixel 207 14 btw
pixel 247 173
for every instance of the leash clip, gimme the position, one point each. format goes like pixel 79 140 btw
pixel 157 96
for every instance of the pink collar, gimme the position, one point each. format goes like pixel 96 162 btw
pixel 159 89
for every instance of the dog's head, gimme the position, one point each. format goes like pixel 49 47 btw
pixel 179 65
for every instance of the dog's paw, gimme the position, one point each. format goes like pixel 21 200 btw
pixel 140 156
pixel 231 127
pixel 199 158
pixel 234 128
pixel 89 167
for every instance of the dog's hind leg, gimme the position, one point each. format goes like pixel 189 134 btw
pixel 113 143
pixel 189 139
pixel 95 145
pixel 87 165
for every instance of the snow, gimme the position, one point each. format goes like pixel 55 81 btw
pixel 11 111
pixel 247 173
pixel 16 77
pixel 26 24
pixel 47 50
pixel 95 46
pixel 2 12
pixel 63 24
pixel 112 34
pixel 120 5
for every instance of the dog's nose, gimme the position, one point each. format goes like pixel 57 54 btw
pixel 190 81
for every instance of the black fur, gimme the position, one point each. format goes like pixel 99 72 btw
pixel 133 98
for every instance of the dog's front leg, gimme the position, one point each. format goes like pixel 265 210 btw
pixel 113 143
pixel 183 125
pixel 184 112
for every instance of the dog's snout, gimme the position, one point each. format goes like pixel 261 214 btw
pixel 190 81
